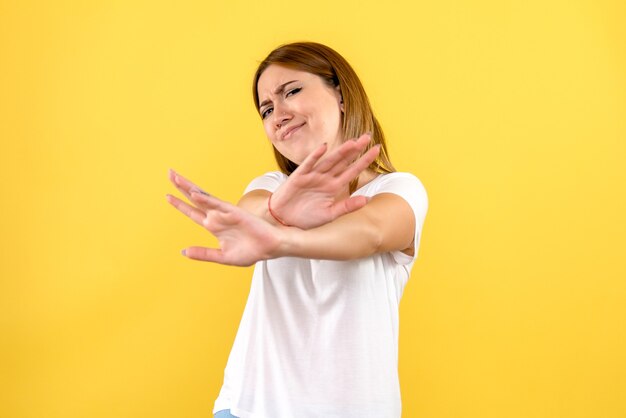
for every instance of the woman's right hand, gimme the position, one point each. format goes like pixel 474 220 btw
pixel 317 191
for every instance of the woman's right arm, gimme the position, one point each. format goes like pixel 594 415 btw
pixel 386 224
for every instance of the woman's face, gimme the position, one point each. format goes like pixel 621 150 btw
pixel 300 111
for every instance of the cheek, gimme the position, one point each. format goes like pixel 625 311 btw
pixel 267 127
pixel 332 118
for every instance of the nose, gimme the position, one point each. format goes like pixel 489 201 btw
pixel 281 116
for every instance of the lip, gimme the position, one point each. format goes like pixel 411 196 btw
pixel 290 130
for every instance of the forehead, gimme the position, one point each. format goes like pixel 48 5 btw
pixel 276 75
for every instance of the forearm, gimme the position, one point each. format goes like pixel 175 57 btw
pixel 385 224
pixel 345 238
pixel 348 237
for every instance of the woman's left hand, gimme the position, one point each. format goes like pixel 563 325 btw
pixel 244 238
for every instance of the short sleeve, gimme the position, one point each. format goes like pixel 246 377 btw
pixel 411 189
pixel 268 181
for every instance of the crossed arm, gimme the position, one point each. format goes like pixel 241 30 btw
pixel 327 224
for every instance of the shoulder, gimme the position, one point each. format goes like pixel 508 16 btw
pixel 398 177
pixel 269 181
pixel 405 185
pixel 398 181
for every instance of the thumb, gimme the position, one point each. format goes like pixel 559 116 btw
pixel 349 205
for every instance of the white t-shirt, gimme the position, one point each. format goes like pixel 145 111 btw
pixel 319 338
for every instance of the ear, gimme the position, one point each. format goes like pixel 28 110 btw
pixel 340 97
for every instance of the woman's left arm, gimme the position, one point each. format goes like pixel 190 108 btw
pixel 386 223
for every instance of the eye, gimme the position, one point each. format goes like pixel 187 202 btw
pixel 293 91
pixel 266 112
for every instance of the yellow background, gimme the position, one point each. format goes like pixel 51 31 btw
pixel 512 113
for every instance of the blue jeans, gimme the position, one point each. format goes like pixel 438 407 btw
pixel 224 413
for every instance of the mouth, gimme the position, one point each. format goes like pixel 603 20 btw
pixel 287 134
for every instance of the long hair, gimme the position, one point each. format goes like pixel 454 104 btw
pixel 358 117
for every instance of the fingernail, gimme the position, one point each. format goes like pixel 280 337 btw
pixel 200 191
pixel 184 252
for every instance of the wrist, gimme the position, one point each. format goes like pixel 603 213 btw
pixel 273 213
pixel 289 240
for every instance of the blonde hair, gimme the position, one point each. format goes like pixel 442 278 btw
pixel 358 117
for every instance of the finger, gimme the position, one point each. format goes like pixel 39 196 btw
pixel 361 164
pixel 209 202
pixel 339 159
pixel 184 185
pixel 312 159
pixel 215 207
pixel 213 255
pixel 193 213
pixel 349 156
pixel 348 205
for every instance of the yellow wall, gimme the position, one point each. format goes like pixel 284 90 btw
pixel 511 112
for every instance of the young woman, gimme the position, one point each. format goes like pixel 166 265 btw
pixel 333 236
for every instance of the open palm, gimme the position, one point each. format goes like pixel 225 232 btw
pixel 317 191
pixel 244 238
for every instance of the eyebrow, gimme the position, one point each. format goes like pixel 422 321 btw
pixel 278 90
